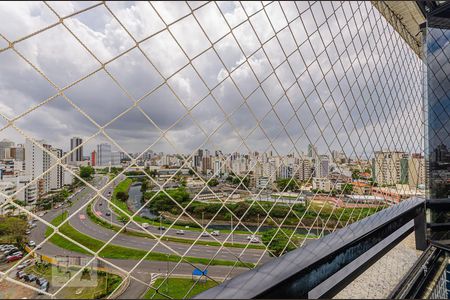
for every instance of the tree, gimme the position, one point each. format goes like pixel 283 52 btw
pixel 356 174
pixel 287 184
pixel 12 229
pixel 281 242
pixel 86 172
pixel 122 196
pixel 213 182
pixel 347 189
pixel 123 220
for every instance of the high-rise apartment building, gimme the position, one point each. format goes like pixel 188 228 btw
pixel 5 146
pixel 93 158
pixel 76 155
pixel 390 167
pixel 312 151
pixel 416 170
pixel 37 163
pixel 18 152
pixel 103 155
pixel 321 166
pixel 57 172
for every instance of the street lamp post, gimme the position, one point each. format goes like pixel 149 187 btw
pixel 231 226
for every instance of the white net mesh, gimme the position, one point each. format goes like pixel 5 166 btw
pixel 269 123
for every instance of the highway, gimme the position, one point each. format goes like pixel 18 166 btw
pixel 82 223
pixel 101 207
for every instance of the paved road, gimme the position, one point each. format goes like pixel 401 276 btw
pixel 144 269
pixel 82 223
pixel 102 207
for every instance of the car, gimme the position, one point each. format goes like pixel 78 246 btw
pixel 20 274
pixel 21 267
pixel 41 214
pixel 100 203
pixel 29 278
pixel 28 232
pixel 41 280
pixel 33 226
pixel 16 253
pixel 6 247
pixel 31 244
pixel 161 228
pixel 215 233
pixel 145 225
pixel 12 258
pixel 180 232
pixel 254 240
pixel 205 234
pixel 43 287
pixel 249 237
pixel 10 251
pixel 108 214
pixel 28 262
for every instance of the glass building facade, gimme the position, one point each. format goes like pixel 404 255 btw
pixel 437 95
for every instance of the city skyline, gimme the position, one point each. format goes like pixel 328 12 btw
pixel 185 98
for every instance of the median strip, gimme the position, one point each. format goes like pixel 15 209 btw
pixel 119 252
pixel 132 232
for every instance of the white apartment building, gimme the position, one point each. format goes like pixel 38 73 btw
pixel 323 184
pixel 38 161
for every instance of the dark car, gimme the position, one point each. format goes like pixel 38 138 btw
pixel 41 280
pixel 108 214
pixel 161 228
pixel 20 274
pixel 44 287
pixel 29 278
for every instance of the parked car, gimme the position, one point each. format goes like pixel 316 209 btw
pixel 12 258
pixel 28 232
pixel 28 262
pixel 180 232
pixel 3 248
pixel 215 233
pixel 44 287
pixel 145 225
pixel 41 280
pixel 29 278
pixel 100 203
pixel 32 226
pixel 21 267
pixel 20 274
pixel 108 214
pixel 31 244
pixel 10 251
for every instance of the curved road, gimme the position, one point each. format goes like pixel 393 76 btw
pixel 144 270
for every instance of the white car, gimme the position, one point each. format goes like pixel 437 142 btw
pixel 32 244
pixel 215 233
pixel 180 232
pixel 254 240
pixel 145 225
pixel 205 234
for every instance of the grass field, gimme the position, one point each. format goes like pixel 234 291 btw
pixel 178 288
pixel 118 252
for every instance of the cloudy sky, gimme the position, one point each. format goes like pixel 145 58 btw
pixel 233 76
